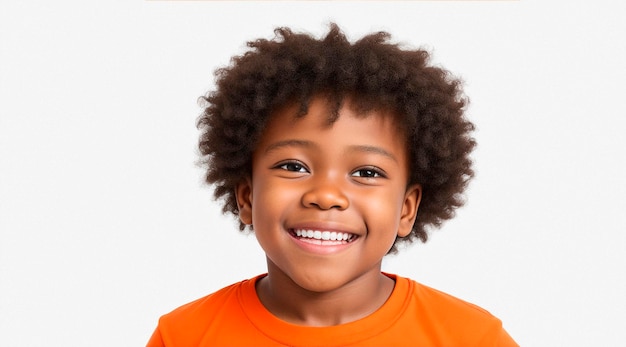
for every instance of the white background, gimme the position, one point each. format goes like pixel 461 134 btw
pixel 105 223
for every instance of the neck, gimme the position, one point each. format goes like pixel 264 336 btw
pixel 354 300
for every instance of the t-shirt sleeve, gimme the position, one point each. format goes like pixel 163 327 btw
pixel 498 337
pixel 156 340
pixel 505 340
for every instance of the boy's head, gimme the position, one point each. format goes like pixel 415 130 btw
pixel 282 75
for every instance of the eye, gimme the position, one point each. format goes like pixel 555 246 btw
pixel 368 173
pixel 292 166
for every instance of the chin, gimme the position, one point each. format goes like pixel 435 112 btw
pixel 322 282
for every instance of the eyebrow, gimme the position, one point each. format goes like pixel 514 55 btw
pixel 288 143
pixel 309 144
pixel 373 149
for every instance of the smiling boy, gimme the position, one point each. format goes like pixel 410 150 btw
pixel 333 153
pixel 327 203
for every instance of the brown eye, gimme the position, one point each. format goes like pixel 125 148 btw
pixel 293 167
pixel 367 173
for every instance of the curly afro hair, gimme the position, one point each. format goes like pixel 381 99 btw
pixel 375 74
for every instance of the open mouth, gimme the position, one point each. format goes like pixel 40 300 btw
pixel 322 237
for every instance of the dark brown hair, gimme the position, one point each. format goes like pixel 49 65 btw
pixel 375 74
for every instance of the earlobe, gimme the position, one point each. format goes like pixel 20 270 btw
pixel 411 203
pixel 243 193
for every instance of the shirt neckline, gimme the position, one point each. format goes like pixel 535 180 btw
pixel 343 334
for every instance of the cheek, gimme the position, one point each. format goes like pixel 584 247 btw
pixel 382 210
pixel 271 202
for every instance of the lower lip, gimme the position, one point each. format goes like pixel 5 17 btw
pixel 323 247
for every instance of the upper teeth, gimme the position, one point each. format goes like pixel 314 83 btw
pixel 323 235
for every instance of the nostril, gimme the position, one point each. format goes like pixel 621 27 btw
pixel 325 199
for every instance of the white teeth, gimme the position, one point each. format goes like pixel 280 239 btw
pixel 323 235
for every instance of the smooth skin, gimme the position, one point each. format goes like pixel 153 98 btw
pixel 349 176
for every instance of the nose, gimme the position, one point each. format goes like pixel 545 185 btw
pixel 325 194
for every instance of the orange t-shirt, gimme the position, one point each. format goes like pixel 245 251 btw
pixel 414 315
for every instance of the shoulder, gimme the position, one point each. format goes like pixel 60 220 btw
pixel 187 324
pixel 448 304
pixel 453 321
pixel 209 304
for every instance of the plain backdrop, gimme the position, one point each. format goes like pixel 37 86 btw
pixel 105 224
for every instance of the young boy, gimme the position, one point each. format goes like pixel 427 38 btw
pixel 326 149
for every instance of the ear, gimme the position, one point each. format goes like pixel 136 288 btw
pixel 243 193
pixel 412 199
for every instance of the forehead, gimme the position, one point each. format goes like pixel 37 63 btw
pixel 381 128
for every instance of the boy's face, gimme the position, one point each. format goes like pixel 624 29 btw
pixel 345 183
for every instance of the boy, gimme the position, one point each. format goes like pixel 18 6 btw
pixel 326 149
